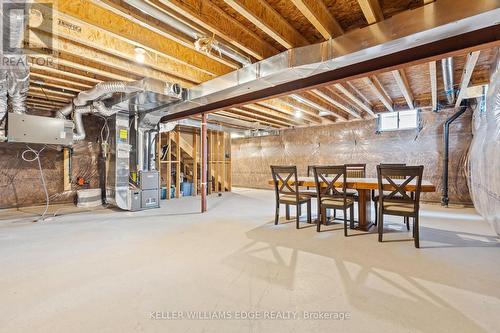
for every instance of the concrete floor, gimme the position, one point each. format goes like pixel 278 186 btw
pixel 114 271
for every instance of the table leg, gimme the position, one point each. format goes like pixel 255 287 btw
pixel 364 210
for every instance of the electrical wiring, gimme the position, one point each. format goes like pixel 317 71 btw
pixel 37 158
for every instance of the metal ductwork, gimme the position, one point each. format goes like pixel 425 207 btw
pixel 3 103
pixel 14 76
pixel 18 74
pixel 447 69
pixel 437 28
pixel 201 42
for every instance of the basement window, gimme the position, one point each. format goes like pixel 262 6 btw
pixel 401 120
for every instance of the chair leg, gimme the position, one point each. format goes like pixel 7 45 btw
pixel 416 232
pixel 277 214
pixel 407 221
pixel 321 220
pixel 309 213
pixel 299 210
pixel 287 212
pixel 413 229
pixel 345 222
pixel 351 213
pixel 376 214
pixel 298 216
pixel 380 225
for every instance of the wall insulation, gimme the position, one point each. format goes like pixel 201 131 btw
pixel 485 154
pixel 20 183
pixel 357 142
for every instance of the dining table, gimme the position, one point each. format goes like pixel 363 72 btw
pixel 364 186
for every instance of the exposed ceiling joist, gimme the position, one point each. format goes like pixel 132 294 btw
pixel 214 19
pixel 267 19
pixel 232 115
pixel 470 63
pixel 48 91
pixel 259 117
pixel 276 105
pixel 97 53
pixel 305 110
pixel 59 71
pixel 320 17
pixel 138 35
pixel 318 104
pixel 51 78
pixel 355 99
pixel 404 86
pixel 275 114
pixel 45 95
pixel 332 101
pixel 433 78
pixel 141 15
pixel 372 11
pixel 379 91
pixel 99 43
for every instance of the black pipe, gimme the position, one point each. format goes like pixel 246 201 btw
pixel 463 108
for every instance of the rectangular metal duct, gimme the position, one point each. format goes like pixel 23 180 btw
pixel 432 30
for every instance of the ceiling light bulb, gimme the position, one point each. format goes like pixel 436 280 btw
pixel 298 114
pixel 140 55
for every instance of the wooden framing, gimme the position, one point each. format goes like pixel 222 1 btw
pixel 137 35
pixel 318 14
pixel 402 82
pixel 470 63
pixel 332 101
pixel 355 99
pixel 214 19
pixel 371 10
pixel 267 19
pixel 188 155
pixel 379 91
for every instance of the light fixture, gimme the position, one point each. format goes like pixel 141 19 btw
pixel 140 55
pixel 298 114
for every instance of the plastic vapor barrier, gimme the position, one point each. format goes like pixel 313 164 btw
pixel 484 159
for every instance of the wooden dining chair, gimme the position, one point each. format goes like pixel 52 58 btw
pixel 286 187
pixel 355 171
pixel 310 191
pixel 398 202
pixel 330 196
pixel 375 193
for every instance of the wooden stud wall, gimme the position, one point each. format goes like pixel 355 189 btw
pixel 188 156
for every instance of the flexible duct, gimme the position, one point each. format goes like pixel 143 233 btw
pixel 102 89
pixel 77 118
pixel 447 69
pixel 3 103
pixel 18 75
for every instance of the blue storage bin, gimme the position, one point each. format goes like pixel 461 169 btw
pixel 163 192
pixel 187 189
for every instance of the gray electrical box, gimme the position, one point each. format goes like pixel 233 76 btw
pixel 35 129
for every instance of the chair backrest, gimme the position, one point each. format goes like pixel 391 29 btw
pixel 398 177
pixel 394 165
pixel 356 170
pixel 325 178
pixel 285 180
